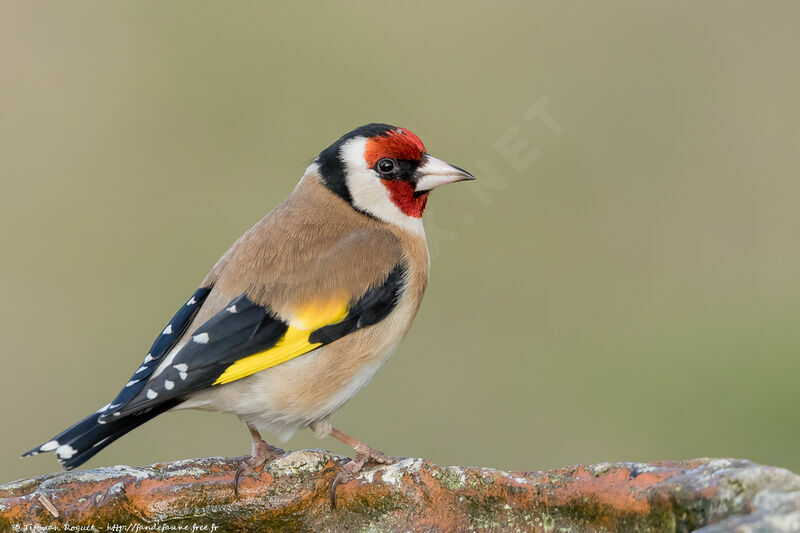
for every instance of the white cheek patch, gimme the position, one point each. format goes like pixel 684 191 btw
pixel 367 191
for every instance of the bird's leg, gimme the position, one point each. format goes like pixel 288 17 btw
pixel 364 454
pixel 261 451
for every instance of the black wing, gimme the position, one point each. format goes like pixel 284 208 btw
pixel 162 345
pixel 245 331
pixel 78 443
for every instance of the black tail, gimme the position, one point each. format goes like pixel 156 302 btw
pixel 77 444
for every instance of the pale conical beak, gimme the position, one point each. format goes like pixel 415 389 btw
pixel 433 172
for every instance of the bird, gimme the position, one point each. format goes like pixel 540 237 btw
pixel 300 313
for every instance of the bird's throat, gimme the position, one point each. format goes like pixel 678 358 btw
pixel 405 198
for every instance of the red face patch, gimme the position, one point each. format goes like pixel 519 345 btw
pixel 402 195
pixel 396 144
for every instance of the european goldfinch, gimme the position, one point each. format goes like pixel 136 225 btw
pixel 301 312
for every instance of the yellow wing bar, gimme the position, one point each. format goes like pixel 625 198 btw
pixel 293 343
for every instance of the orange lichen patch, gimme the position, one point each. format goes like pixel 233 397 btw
pixel 292 493
pixel 615 488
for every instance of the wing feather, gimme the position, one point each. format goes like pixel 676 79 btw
pixel 173 331
pixel 245 338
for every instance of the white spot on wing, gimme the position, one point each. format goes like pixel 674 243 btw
pixel 202 338
pixel 183 375
pixel 167 330
pixel 167 360
pixel 232 309
pixel 191 301
pixel 151 394
pixel 148 358
pixel 181 367
pixel 168 384
pixel 141 369
pixel 132 382
pixel 49 446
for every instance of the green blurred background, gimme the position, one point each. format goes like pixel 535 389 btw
pixel 624 288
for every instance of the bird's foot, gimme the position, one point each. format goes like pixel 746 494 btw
pixel 364 455
pixel 262 452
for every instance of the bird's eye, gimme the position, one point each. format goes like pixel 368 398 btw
pixel 386 166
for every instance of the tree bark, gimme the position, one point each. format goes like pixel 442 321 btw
pixel 292 494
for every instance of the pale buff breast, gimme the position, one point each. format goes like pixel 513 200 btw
pixel 311 387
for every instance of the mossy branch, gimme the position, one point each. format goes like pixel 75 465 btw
pixel 292 493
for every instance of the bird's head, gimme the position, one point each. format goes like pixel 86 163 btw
pixel 385 172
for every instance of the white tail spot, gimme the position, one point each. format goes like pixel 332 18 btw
pixel 49 446
pixel 65 451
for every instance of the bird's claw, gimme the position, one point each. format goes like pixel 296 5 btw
pixel 368 455
pixel 263 452
pixel 351 468
pixel 244 468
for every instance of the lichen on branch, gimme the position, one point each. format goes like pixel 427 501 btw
pixel 292 493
